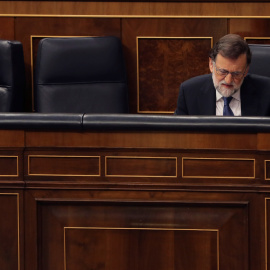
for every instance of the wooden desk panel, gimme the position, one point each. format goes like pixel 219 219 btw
pixel 12 138
pixel 194 229
pixel 10 230
pixel 141 139
pixel 141 200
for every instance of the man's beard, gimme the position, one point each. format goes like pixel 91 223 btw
pixel 225 91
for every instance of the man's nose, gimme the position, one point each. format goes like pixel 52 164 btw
pixel 229 78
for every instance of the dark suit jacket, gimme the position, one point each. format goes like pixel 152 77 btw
pixel 197 96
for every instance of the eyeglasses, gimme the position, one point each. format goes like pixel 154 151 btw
pixel 224 73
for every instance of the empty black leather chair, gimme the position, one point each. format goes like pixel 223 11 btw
pixel 12 76
pixel 260 62
pixel 80 75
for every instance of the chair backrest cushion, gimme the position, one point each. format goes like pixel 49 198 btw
pixel 81 75
pixel 12 76
pixel 260 62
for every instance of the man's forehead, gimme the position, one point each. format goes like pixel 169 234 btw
pixel 240 62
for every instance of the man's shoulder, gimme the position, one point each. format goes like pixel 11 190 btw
pixel 199 79
pixel 257 78
pixel 256 85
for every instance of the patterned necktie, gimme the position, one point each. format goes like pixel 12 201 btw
pixel 227 110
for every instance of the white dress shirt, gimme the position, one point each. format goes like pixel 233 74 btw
pixel 235 104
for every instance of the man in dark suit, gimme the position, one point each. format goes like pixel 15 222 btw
pixel 229 90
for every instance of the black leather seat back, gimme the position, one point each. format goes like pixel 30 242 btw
pixel 81 75
pixel 260 63
pixel 12 76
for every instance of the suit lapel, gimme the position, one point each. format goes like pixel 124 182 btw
pixel 207 99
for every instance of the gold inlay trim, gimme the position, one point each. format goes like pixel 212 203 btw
pixel 62 156
pixel 230 159
pixel 138 66
pixel 17 167
pixel 265 170
pixel 136 157
pixel 18 223
pixel 142 229
pixel 247 38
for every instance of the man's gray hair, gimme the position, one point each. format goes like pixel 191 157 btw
pixel 231 46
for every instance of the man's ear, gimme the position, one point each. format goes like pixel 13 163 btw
pixel 211 66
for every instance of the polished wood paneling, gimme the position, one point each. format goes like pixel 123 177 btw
pixel 9 231
pixel 137 139
pixel 9 166
pixel 10 138
pixel 156 98
pixel 94 166
pixel 7 28
pixel 216 222
pixel 248 27
pixel 218 168
pixel 134 8
pixel 152 233
pixel 64 165
pixel 263 141
pixel 141 166
pixel 221 223
pixel 151 167
pixel 151 248
pixel 167 62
